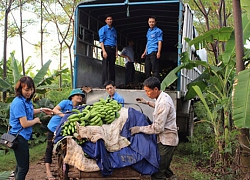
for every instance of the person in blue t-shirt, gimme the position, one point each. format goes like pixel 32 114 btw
pixel 153 49
pixel 110 89
pixel 75 98
pixel 22 118
pixel 108 41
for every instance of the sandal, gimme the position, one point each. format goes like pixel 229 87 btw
pixel 50 178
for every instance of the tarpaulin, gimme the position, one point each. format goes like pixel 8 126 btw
pixel 142 154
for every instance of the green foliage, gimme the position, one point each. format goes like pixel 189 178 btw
pixel 200 145
pixel 57 95
pixel 43 83
pixel 241 100
pixel 222 34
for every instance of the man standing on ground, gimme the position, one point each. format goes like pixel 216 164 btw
pixel 164 125
pixel 108 40
pixel 153 49
pixel 128 55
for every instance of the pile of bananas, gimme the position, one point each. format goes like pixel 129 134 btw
pixel 101 112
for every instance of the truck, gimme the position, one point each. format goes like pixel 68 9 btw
pixel 130 21
pixel 130 18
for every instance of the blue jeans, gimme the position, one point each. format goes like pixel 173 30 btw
pixel 22 158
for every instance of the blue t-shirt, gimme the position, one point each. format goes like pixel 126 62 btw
pixel 20 107
pixel 118 98
pixel 65 105
pixel 153 37
pixel 108 35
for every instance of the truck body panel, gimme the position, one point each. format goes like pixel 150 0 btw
pixel 130 19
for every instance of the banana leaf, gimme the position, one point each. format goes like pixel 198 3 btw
pixel 41 73
pixel 4 85
pixel 222 34
pixel 5 174
pixel 245 5
pixel 14 67
pixel 241 100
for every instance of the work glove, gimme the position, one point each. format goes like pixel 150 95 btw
pixel 135 130
pixel 141 100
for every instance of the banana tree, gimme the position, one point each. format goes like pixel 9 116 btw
pixel 42 83
pixel 216 81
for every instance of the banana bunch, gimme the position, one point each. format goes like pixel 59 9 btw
pixel 68 128
pixel 101 112
pixel 107 110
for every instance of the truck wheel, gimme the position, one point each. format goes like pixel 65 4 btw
pixel 63 168
pixel 191 122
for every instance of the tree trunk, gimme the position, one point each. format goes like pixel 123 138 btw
pixel 7 11
pixel 245 152
pixel 244 133
pixel 41 29
pixel 21 36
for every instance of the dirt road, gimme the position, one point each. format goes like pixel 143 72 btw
pixel 37 170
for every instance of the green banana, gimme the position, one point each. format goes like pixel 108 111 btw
pixel 94 119
pixel 76 111
pixel 83 123
pixel 72 116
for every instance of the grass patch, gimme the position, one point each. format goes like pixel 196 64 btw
pixel 8 161
pixel 185 165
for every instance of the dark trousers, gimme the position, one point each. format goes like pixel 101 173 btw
pixel 166 155
pixel 22 158
pixel 129 73
pixel 108 65
pixel 152 65
pixel 49 148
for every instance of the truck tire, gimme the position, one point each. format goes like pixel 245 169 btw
pixel 191 122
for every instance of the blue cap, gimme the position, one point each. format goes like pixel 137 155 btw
pixel 74 92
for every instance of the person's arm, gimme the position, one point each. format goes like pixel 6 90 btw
pixel 144 101
pixel 158 124
pixel 25 123
pixel 160 39
pixel 104 53
pixel 116 52
pixel 123 54
pixel 101 39
pixel 57 111
pixel 144 53
pixel 151 104
pixel 159 49
pixel 47 111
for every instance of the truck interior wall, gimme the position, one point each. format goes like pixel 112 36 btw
pixel 89 73
pixel 133 26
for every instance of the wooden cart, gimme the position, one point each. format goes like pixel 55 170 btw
pixel 67 172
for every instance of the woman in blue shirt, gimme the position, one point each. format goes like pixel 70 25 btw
pixel 22 117
pixel 75 98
